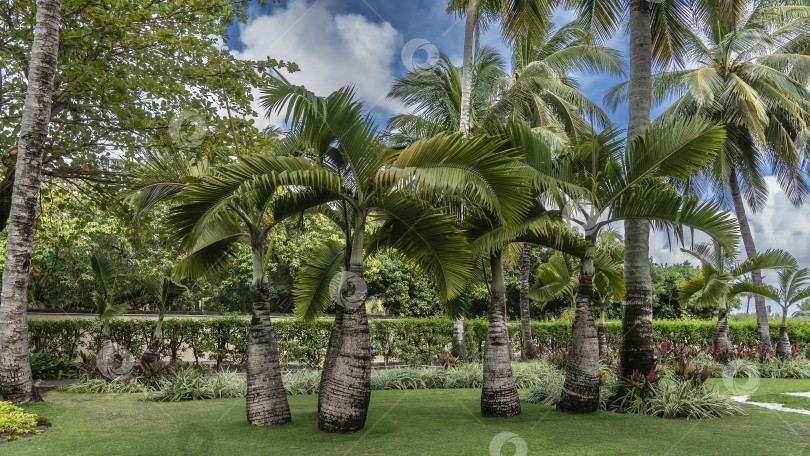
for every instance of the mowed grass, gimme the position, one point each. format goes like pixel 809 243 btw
pixel 429 422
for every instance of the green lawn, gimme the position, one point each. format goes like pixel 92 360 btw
pixel 428 422
pixel 796 402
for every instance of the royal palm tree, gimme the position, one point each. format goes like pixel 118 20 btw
pixel 793 286
pixel 629 183
pixel 16 383
pixel 752 78
pixel 338 165
pixel 164 289
pixel 718 275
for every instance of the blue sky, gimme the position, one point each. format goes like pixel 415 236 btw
pixel 368 43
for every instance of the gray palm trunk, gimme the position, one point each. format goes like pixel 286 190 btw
pixel 266 399
pixel 346 381
pixel 466 68
pixel 600 330
pixel 637 342
pixel 16 384
pixel 499 396
pixel 529 350
pixel 459 347
pixel 783 349
pixel 750 250
pixel 580 392
pixel 721 332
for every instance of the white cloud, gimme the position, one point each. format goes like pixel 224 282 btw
pixel 331 50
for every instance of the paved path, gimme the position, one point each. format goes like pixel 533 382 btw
pixel 774 405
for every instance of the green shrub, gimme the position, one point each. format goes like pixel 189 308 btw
pixel 15 423
pixel 49 366
pixel 685 399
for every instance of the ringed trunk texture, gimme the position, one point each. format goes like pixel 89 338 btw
pixel 459 345
pixel 580 392
pixel 751 250
pixel 266 399
pixel 346 389
pixel 466 68
pixel 16 384
pixel 783 350
pixel 529 350
pixel 600 330
pixel 499 396
pixel 637 343
pixel 331 351
pixel 721 335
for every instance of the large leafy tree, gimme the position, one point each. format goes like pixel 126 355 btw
pixel 718 275
pixel 130 77
pixel 629 183
pixel 335 162
pixel 752 77
pixel 16 384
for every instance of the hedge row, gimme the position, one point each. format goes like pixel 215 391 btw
pixel 222 340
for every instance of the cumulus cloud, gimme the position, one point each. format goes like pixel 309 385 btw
pixel 332 50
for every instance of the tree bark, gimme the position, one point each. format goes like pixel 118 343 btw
pixel 600 330
pixel 466 68
pixel 529 350
pixel 16 384
pixel 750 250
pixel 346 390
pixel 459 345
pixel 266 399
pixel 721 334
pixel 331 352
pixel 499 396
pixel 580 392
pixel 637 343
pixel 783 349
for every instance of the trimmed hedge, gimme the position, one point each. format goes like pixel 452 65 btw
pixel 223 340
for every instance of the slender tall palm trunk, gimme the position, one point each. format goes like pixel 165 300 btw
pixel 750 250
pixel 637 342
pixel 499 396
pixel 466 67
pixel 266 399
pixel 16 384
pixel 529 350
pixel 600 330
pixel 580 392
pixel 346 390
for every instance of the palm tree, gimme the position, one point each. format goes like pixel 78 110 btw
pixel 519 18
pixel 793 287
pixel 717 278
pixel 752 78
pixel 629 183
pixel 339 166
pixel 16 383
pixel 164 289
pixel 528 349
pixel 109 358
pixel 211 234
pixel 656 35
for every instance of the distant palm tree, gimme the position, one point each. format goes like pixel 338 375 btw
pixel 752 76
pixel 716 282
pixel 793 286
